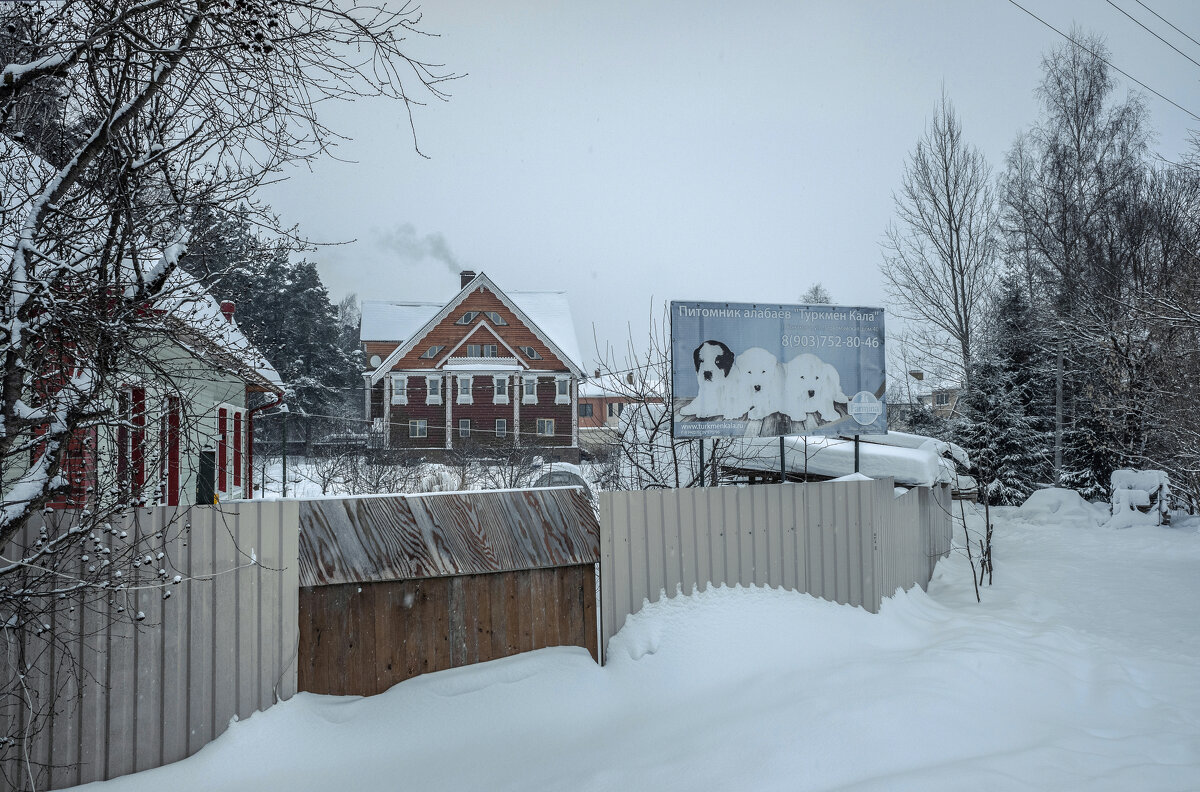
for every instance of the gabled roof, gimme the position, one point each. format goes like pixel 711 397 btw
pixel 198 325
pixel 547 315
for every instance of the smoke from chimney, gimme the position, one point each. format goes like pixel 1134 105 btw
pixel 404 242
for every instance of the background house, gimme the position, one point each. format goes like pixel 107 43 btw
pixel 602 402
pixel 182 427
pixel 483 373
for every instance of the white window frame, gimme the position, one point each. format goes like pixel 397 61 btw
pixel 941 399
pixel 542 422
pixel 499 390
pixel 490 350
pixel 559 396
pixel 529 396
pixel 464 427
pixel 501 427
pixel 433 390
pixel 418 427
pixel 474 350
pixel 399 389
pixel 462 397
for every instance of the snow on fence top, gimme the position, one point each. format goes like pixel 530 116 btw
pixel 357 540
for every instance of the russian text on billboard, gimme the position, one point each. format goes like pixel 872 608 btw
pixel 753 370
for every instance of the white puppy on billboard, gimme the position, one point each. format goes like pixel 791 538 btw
pixel 758 384
pixel 714 362
pixel 812 387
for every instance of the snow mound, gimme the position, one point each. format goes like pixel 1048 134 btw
pixel 1058 505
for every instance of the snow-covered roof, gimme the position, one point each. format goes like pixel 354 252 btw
pixel 551 312
pixel 401 321
pixel 214 337
pixel 386 320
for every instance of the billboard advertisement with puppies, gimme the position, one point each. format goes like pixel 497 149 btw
pixel 754 370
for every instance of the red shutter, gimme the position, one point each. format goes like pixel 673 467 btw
pixel 237 448
pixel 222 448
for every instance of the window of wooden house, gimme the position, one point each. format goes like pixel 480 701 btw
pixel 501 427
pixel 399 389
pixel 490 350
pixel 529 390
pixel 500 390
pixel 495 318
pixel 529 352
pixel 562 390
pixel 418 428
pixel 474 350
pixel 433 390
pixel 237 448
pixel 466 318
pixel 432 352
pixel 464 427
pixel 464 390
pixel 223 449
pixel 545 426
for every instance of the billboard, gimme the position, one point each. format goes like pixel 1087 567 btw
pixel 754 370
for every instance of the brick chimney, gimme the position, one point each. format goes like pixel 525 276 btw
pixel 466 277
pixel 227 309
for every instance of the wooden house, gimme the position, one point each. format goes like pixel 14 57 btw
pixel 483 373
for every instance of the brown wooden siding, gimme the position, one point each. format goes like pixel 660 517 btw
pixel 360 639
pixel 546 408
pixel 448 334
pixel 400 414
pixel 381 348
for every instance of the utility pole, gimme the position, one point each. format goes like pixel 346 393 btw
pixel 285 417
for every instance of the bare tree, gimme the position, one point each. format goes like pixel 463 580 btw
pixel 817 294
pixel 645 453
pixel 118 121
pixel 940 254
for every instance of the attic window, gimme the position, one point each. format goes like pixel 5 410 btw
pixel 431 353
pixel 495 318
pixel 530 352
pixel 467 318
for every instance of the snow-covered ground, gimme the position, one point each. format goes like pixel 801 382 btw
pixel 1080 670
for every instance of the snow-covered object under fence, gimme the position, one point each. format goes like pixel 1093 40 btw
pixel 1140 497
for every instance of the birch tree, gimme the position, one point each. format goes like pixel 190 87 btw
pixel 940 252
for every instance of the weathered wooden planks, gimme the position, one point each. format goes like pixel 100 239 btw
pixel 404 537
pixel 360 639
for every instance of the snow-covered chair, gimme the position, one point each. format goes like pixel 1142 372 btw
pixel 1146 492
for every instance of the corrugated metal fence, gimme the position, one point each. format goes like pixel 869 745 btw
pixel 224 644
pixel 851 542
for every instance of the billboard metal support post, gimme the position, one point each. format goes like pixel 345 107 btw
pixel 856 453
pixel 782 463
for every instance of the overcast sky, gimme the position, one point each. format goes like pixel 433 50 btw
pixel 626 152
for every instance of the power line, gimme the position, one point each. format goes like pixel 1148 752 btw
pixel 1107 62
pixel 1177 30
pixel 1152 33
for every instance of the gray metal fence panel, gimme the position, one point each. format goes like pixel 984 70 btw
pixel 851 542
pixel 223 644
